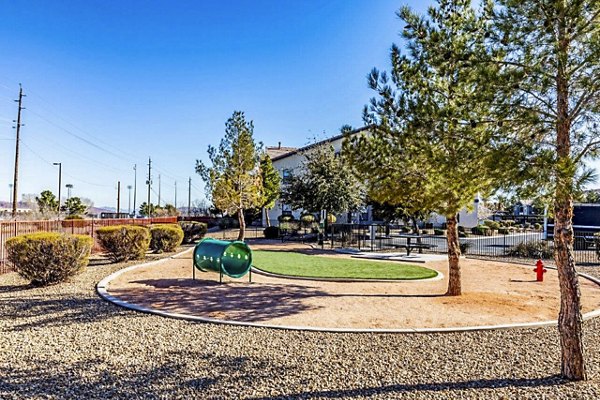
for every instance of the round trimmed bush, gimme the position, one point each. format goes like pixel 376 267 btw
pixel 307 219
pixel 165 237
pixel 45 258
pixel 331 218
pixel 286 218
pixel 271 232
pixel 124 242
pixel 192 230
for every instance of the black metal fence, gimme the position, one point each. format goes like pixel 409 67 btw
pixel 516 244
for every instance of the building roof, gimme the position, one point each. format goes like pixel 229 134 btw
pixel 277 151
pixel 310 146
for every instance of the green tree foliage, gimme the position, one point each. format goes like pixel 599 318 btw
pixel 147 211
pixel 233 182
pixel 323 182
pixel 553 52
pixel 434 136
pixel 74 207
pixel 271 185
pixel 591 196
pixel 47 202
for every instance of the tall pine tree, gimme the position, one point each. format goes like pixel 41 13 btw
pixel 233 182
pixel 553 50
pixel 434 137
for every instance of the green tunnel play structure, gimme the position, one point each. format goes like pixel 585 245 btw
pixel 233 259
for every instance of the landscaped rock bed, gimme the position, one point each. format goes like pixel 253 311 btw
pixel 65 342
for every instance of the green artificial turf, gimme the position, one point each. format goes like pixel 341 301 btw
pixel 297 264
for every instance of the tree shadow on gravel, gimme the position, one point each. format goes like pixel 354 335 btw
pixel 92 378
pixel 26 312
pixel 233 301
pixel 500 383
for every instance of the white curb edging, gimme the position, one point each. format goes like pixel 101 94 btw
pixel 101 288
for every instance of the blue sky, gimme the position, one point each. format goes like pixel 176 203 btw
pixel 160 78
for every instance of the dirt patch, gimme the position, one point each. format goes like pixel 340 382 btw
pixel 494 293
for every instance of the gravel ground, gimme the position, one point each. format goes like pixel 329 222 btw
pixel 65 342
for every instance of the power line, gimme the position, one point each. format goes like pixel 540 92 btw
pixel 65 173
pixel 94 137
pixel 75 135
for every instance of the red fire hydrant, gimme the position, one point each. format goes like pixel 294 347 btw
pixel 540 270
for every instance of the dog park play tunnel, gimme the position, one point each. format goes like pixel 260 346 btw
pixel 233 259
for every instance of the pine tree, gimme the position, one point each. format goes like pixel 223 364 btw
pixel 434 138
pixel 271 185
pixel 553 49
pixel 47 202
pixel 74 207
pixel 233 182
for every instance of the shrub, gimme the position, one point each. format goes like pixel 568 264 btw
pixel 286 218
pixel 192 230
pixel 228 222
pixel 439 232
pixel 504 231
pixel 464 247
pixel 165 237
pixel 124 242
pixel 537 226
pixel 535 249
pixel 307 219
pixel 509 222
pixel 73 217
pixel 462 234
pixel 44 258
pixel 480 230
pixel 491 224
pixel 461 229
pixel 331 219
pixel 271 232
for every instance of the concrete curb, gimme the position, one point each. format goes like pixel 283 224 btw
pixel 101 288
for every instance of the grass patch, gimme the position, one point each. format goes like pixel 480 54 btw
pixel 297 264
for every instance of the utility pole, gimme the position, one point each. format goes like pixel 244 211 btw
pixel 159 190
pixel 175 195
pixel 190 197
pixel 59 183
pixel 16 176
pixel 69 186
pixel 134 186
pixel 149 183
pixel 10 186
pixel 118 198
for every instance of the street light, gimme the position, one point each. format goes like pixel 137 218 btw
pixel 10 186
pixel 69 186
pixel 59 183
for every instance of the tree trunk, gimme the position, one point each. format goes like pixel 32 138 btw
pixel 569 318
pixel 454 281
pixel 267 218
pixel 242 221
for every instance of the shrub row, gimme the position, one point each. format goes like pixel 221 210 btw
pixel 44 258
pixel 131 242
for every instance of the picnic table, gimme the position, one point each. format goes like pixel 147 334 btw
pixel 409 245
